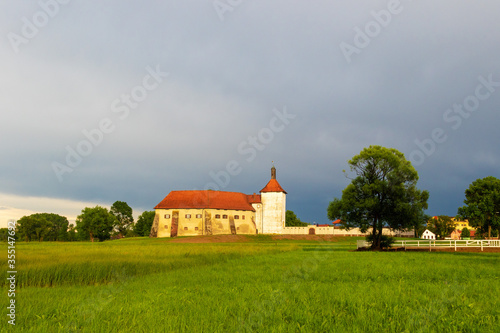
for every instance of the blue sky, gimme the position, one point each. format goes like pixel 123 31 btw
pixel 121 100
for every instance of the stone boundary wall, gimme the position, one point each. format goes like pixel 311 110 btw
pixel 306 230
pixel 315 230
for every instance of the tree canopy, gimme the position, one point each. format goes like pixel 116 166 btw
pixel 442 225
pixel 418 223
pixel 144 223
pixel 4 234
pixel 383 193
pixel 482 205
pixel 43 226
pixel 291 220
pixel 123 214
pixel 95 222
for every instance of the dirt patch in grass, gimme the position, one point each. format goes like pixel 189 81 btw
pixel 212 239
pixel 323 238
pixel 249 238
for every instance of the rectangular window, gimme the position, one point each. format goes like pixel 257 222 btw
pixel 195 228
pixel 198 216
pixel 236 217
pixel 167 216
pixel 188 216
pixel 224 216
pixel 242 217
pixel 217 216
pixel 185 228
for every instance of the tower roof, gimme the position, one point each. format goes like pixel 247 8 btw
pixel 273 186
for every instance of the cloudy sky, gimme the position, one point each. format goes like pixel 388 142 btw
pixel 126 100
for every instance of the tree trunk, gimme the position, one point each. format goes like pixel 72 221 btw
pixel 379 239
pixel 489 231
pixel 376 234
pixel 91 237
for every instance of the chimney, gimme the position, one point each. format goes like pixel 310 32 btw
pixel 273 172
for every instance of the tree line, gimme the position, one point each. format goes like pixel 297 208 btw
pixel 383 193
pixel 97 223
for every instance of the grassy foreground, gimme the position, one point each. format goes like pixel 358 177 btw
pixel 145 285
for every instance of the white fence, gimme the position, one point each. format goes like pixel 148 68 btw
pixel 447 243
pixel 430 244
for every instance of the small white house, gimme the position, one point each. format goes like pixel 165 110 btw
pixel 427 234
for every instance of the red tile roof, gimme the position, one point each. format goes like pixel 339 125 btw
pixel 206 199
pixel 254 198
pixel 273 186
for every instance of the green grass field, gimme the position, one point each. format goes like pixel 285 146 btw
pixel 154 285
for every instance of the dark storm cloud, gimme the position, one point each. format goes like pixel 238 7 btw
pixel 225 78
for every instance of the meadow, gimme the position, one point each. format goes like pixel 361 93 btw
pixel 260 285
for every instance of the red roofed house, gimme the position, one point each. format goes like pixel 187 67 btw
pixel 457 234
pixel 190 213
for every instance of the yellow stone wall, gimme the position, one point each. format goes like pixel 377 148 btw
pixel 194 222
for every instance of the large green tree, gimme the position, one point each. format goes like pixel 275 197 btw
pixel 442 225
pixel 95 222
pixel 382 193
pixel 482 204
pixel 43 226
pixel 123 214
pixel 144 223
pixel 291 220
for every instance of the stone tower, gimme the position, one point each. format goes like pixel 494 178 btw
pixel 273 198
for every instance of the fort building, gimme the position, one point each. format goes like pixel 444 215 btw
pixel 191 213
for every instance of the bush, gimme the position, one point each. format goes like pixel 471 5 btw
pixel 465 232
